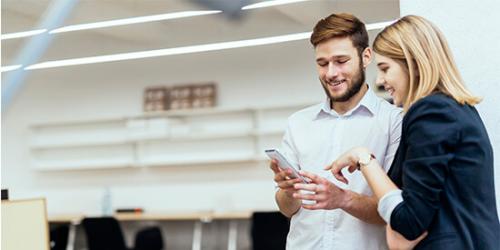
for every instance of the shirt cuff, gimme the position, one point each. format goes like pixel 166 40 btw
pixel 387 204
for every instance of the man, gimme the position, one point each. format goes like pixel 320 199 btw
pixel 344 216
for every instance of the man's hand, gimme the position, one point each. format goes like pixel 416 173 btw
pixel 283 178
pixel 284 197
pixel 396 241
pixel 326 194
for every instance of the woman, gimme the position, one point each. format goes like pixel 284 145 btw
pixel 441 180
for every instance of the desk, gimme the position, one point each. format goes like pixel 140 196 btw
pixel 170 216
pixel 199 218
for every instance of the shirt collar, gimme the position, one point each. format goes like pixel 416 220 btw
pixel 368 102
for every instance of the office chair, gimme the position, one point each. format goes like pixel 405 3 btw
pixel 148 239
pixel 269 230
pixel 59 237
pixel 105 233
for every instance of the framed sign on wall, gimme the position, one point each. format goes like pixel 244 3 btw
pixel 189 96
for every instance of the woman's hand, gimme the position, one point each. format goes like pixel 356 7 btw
pixel 349 159
pixel 396 241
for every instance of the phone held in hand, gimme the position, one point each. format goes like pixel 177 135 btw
pixel 284 164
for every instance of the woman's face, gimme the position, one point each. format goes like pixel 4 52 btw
pixel 393 77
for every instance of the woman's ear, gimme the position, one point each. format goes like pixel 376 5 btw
pixel 367 57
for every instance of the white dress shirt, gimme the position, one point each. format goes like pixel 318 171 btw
pixel 314 138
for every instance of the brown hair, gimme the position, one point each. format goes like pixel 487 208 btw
pixel 339 26
pixel 417 44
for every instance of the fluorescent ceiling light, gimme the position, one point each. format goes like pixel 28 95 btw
pixel 10 68
pixel 270 3
pixel 22 34
pixel 184 50
pixel 133 20
pixel 111 23
pixel 172 51
pixel 374 26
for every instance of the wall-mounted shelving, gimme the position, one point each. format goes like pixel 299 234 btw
pixel 172 138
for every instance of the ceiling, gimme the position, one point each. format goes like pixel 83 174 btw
pixel 23 15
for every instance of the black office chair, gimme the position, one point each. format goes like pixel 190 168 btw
pixel 105 233
pixel 269 230
pixel 149 239
pixel 59 236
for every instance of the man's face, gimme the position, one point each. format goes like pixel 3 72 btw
pixel 340 68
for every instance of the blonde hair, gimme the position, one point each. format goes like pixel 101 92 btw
pixel 419 45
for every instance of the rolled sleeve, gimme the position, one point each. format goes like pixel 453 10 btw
pixel 388 203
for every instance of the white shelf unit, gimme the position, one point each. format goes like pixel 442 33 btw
pixel 171 138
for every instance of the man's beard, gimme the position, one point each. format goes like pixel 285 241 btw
pixel 356 83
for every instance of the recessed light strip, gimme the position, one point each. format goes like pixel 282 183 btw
pixel 134 20
pixel 22 34
pixel 270 3
pixel 10 67
pixel 171 51
pixel 110 23
pixel 380 25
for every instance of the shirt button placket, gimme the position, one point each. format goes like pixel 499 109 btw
pixel 330 215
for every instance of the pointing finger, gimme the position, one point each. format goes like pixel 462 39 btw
pixel 337 173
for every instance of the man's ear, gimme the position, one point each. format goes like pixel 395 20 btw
pixel 367 56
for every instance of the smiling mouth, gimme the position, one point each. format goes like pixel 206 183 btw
pixel 336 83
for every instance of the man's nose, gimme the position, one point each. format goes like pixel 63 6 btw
pixel 333 71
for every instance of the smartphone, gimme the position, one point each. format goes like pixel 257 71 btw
pixel 284 164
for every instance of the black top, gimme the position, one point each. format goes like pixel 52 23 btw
pixel 444 165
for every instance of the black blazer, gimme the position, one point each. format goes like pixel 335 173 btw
pixel 444 165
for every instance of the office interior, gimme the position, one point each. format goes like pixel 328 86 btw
pixel 77 130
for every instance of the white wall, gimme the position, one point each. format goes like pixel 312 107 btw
pixel 471 28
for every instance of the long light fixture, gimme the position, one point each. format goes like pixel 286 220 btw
pixel 10 67
pixel 184 50
pixel 111 23
pixel 171 51
pixel 270 3
pixel 380 25
pixel 134 20
pixel 22 34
